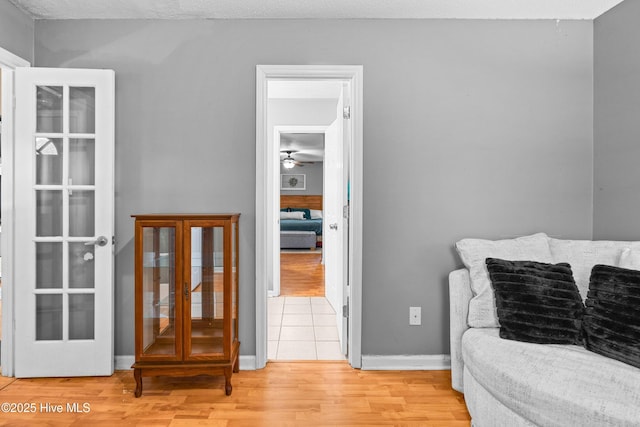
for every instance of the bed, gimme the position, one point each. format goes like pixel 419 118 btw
pixel 304 204
pixel 314 225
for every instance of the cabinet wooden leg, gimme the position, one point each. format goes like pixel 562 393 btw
pixel 137 374
pixel 227 381
pixel 236 366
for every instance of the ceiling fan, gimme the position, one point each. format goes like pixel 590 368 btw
pixel 289 162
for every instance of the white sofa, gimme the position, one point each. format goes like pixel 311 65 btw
pixel 511 383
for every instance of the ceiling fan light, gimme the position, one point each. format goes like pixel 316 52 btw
pixel 288 163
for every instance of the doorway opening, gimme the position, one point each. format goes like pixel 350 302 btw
pixel 343 291
pixel 302 321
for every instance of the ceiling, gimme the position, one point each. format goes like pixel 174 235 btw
pixel 304 147
pixel 315 9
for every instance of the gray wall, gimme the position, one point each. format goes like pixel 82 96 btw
pixel 617 123
pixel 314 178
pixel 16 31
pixel 471 128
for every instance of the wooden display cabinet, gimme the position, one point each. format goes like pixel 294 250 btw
pixel 186 296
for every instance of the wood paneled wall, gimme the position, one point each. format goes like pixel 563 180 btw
pixel 301 201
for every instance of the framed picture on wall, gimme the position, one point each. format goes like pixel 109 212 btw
pixel 296 181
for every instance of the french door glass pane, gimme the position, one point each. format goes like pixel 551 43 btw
pixel 48 161
pixel 82 105
pixel 81 316
pixel 158 293
pixel 207 289
pixel 48 265
pixel 81 265
pixel 81 213
pixel 48 213
pixel 49 109
pixel 48 317
pixel 82 154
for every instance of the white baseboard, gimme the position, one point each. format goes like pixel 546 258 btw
pixel 247 363
pixel 123 363
pixel 403 362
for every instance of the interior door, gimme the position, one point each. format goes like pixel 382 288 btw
pixel 64 190
pixel 346 203
pixel 333 224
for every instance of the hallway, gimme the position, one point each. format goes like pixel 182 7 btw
pixel 302 323
pixel 302 328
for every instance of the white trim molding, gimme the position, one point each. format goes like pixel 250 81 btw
pixel 265 167
pixel 123 363
pixel 403 362
pixel 247 363
pixel 8 62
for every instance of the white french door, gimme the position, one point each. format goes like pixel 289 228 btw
pixel 333 224
pixel 64 226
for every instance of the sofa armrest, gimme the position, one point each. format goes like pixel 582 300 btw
pixel 460 295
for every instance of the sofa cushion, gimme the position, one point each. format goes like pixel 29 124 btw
pixel 474 252
pixel 612 317
pixel 630 258
pixel 584 254
pixel 536 302
pixel 553 384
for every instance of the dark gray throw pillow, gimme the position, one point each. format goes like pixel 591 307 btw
pixel 612 318
pixel 536 302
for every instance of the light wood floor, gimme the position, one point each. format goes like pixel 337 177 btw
pixel 282 394
pixel 301 274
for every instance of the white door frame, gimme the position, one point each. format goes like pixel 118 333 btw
pixel 8 63
pixel 265 176
pixel 277 130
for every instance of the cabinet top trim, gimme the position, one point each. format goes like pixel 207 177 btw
pixel 225 216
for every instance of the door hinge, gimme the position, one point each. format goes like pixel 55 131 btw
pixel 346 112
pixel 345 211
pixel 345 309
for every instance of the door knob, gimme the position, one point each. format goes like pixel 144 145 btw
pixel 333 226
pixel 100 241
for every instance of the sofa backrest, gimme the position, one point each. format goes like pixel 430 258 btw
pixel 582 255
pixel 474 252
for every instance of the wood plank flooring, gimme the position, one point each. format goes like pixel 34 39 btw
pixel 282 394
pixel 301 274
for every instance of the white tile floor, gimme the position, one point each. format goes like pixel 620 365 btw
pixel 302 328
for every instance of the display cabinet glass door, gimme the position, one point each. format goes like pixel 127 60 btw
pixel 234 281
pixel 205 291
pixel 160 330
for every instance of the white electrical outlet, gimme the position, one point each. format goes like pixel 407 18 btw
pixel 415 315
